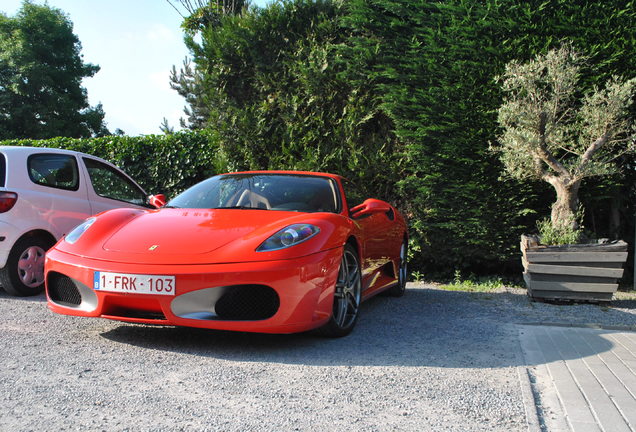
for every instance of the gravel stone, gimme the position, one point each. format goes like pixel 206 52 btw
pixel 433 360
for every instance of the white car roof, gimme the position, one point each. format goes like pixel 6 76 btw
pixel 25 151
pixel 31 150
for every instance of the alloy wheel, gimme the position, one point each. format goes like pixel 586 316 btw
pixel 31 266
pixel 347 293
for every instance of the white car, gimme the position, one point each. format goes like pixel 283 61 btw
pixel 45 193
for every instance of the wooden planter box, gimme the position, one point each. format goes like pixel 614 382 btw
pixel 587 272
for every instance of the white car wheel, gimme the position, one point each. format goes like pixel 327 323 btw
pixel 23 274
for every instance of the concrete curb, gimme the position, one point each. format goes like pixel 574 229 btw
pixel 529 403
pixel 589 326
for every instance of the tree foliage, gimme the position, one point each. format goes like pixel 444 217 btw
pixel 41 70
pixel 198 16
pixel 426 62
pixel 188 82
pixel 277 95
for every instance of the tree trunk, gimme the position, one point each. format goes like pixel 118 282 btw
pixel 615 216
pixel 566 205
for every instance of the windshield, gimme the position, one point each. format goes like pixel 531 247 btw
pixel 285 192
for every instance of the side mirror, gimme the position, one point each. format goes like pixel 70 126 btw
pixel 157 201
pixel 369 207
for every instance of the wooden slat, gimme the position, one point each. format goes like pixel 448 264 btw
pixel 526 278
pixel 528 242
pixel 539 257
pixel 617 246
pixel 570 295
pixel 572 286
pixel 542 277
pixel 524 262
pixel 607 264
pixel 575 270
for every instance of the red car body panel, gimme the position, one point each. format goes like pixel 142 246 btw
pixel 211 249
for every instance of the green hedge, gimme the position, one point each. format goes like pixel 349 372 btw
pixel 159 163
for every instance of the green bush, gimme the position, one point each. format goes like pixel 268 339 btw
pixel 557 235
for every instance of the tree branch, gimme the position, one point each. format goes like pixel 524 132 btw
pixel 175 8
pixel 567 150
pixel 593 148
pixel 543 151
pixel 550 178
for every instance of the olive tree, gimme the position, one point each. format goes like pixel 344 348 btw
pixel 553 132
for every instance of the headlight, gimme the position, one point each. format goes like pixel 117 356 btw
pixel 77 232
pixel 289 236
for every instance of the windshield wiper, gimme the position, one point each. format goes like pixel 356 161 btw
pixel 239 207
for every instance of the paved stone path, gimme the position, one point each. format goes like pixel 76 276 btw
pixel 584 378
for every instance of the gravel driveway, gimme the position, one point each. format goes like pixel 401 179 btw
pixel 433 360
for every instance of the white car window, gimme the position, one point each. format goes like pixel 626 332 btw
pixel 3 170
pixel 53 170
pixel 110 183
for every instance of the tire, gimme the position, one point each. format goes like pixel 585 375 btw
pixel 347 296
pixel 23 274
pixel 399 289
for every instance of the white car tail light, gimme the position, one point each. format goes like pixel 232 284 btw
pixel 7 201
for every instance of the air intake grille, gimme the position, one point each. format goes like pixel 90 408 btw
pixel 247 302
pixel 62 289
pixel 120 312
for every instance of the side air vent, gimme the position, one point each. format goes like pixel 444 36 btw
pixel 228 303
pixel 62 290
pixel 247 302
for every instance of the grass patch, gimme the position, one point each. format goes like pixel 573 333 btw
pixel 625 295
pixel 473 284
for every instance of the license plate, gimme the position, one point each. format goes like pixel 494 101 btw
pixel 134 283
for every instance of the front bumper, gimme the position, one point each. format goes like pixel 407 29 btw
pixel 303 287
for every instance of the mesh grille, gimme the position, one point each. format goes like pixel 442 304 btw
pixel 247 302
pixel 121 312
pixel 62 289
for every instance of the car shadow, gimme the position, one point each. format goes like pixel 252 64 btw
pixel 427 327
pixel 36 298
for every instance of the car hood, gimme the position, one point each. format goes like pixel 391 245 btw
pixel 179 231
pixel 199 236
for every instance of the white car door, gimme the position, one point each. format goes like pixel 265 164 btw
pixel 57 199
pixel 110 188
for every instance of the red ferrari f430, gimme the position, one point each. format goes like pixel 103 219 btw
pixel 262 251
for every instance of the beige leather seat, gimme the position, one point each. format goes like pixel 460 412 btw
pixel 252 199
